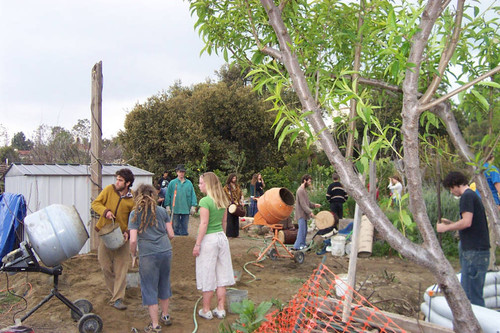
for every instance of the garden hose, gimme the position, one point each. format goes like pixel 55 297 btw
pixel 194 314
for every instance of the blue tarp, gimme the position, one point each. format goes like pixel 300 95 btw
pixel 12 212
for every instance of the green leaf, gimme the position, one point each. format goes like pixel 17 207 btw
pixel 489 84
pixel 481 99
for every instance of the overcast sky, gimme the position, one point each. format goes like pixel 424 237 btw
pixel 48 49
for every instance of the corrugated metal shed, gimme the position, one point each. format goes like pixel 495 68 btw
pixel 68 184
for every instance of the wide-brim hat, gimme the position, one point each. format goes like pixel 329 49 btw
pixel 180 167
pixel 324 219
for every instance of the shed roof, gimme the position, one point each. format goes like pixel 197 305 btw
pixel 19 169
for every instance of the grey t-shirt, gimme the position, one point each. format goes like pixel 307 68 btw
pixel 153 239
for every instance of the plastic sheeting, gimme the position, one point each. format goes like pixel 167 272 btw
pixel 12 212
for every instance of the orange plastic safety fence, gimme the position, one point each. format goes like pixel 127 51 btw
pixel 318 307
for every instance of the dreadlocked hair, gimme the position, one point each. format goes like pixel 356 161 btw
pixel 145 198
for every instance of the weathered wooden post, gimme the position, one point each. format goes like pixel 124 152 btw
pixel 96 147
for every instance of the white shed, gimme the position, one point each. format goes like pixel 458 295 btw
pixel 68 184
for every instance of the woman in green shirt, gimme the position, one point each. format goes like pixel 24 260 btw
pixel 214 269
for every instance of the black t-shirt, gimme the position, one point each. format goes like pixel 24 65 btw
pixel 476 237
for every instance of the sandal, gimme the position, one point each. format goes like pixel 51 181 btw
pixel 151 329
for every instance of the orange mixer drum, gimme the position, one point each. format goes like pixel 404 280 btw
pixel 274 206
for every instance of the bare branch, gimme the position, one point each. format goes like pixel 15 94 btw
pixel 456 91
pixel 447 54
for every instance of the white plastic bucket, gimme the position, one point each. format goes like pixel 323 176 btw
pixel 341 285
pixel 338 245
pixel 235 296
pixel 112 239
pixel 56 233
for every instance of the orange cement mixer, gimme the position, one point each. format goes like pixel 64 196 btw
pixel 274 206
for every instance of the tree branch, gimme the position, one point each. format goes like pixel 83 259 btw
pixel 435 102
pixel 443 110
pixel 447 53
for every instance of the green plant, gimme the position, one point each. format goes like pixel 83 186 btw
pixel 250 317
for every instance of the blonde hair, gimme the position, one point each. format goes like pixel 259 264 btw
pixel 214 190
pixel 145 198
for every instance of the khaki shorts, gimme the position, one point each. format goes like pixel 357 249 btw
pixel 213 266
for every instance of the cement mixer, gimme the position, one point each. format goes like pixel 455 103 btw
pixel 273 207
pixel 56 233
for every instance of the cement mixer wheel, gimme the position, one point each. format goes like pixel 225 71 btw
pixel 298 257
pixel 90 323
pixel 273 254
pixel 84 306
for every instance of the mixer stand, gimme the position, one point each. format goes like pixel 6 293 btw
pixel 272 249
pixel 24 260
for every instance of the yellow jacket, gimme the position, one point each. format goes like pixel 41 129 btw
pixel 110 200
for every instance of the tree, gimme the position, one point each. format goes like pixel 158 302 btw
pixel 171 128
pixel 8 154
pixel 307 47
pixel 19 142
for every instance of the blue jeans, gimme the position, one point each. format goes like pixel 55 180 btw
pixel 180 224
pixel 474 267
pixel 154 271
pixel 301 234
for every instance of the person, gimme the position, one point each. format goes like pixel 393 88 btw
pixel 150 235
pixel 164 180
pixel 114 203
pixel 396 189
pixel 474 236
pixel 160 193
pixel 181 201
pixel 252 210
pixel 235 196
pixel 493 178
pixel 303 211
pixel 336 196
pixel 214 269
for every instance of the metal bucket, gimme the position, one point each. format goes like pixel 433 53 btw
pixel 112 236
pixel 56 233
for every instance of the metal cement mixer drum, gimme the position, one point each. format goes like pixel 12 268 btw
pixel 56 233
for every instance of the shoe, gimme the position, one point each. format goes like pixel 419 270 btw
pixel 165 320
pixel 207 315
pixel 118 304
pixel 151 329
pixel 221 314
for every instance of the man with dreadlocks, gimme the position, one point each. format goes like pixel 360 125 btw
pixel 151 229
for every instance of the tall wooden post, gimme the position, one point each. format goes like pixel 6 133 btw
pixel 96 147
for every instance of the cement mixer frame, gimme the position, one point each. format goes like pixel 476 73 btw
pixel 24 260
pixel 273 207
pixel 272 249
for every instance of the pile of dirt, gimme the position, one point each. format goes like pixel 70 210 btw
pixel 391 284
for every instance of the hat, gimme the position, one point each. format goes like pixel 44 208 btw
pixel 180 167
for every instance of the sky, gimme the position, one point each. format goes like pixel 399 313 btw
pixel 48 49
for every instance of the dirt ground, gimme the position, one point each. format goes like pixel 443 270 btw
pixel 392 284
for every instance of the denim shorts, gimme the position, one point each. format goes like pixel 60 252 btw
pixel 154 271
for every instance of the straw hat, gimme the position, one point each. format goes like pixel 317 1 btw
pixel 324 219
